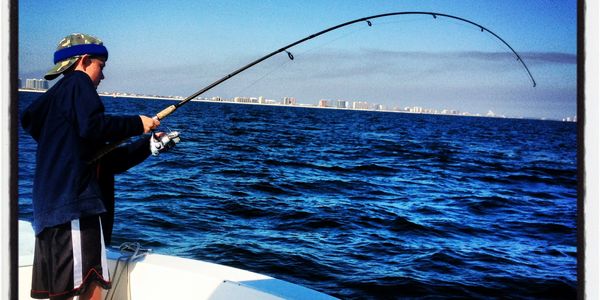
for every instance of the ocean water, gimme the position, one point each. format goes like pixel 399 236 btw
pixel 356 204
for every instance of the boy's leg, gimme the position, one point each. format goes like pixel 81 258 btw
pixel 93 292
pixel 70 259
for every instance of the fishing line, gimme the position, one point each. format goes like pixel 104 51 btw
pixel 167 111
pixel 317 47
pixel 368 20
pixel 362 28
pixel 500 48
pixel 468 27
pixel 300 54
pixel 273 69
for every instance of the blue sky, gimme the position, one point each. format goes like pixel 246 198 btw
pixel 178 47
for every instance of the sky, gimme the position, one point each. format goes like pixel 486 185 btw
pixel 175 48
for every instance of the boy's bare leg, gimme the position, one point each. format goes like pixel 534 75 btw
pixel 94 292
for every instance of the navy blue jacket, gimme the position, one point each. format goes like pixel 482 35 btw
pixel 69 125
pixel 116 162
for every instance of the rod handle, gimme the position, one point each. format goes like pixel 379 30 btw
pixel 165 112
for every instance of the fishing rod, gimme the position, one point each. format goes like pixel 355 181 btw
pixel 170 109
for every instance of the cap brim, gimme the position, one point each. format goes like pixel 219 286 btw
pixel 60 67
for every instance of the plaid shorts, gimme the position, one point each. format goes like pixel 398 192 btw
pixel 67 258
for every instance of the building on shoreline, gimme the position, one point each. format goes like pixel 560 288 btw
pixel 288 101
pixel 323 103
pixel 35 84
pixel 40 85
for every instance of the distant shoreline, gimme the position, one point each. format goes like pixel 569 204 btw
pixel 179 98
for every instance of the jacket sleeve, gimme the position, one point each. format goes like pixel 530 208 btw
pixel 93 124
pixel 33 116
pixel 30 123
pixel 127 156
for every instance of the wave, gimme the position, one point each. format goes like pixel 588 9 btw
pixel 246 210
pixel 405 226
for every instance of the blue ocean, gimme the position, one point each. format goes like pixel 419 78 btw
pixel 356 204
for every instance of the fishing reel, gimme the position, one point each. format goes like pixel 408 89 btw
pixel 161 142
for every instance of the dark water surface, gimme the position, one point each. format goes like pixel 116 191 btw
pixel 356 204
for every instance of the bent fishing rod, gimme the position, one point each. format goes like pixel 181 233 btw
pixel 170 109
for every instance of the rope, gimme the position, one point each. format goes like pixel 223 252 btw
pixel 130 252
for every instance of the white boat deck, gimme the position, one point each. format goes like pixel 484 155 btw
pixel 158 276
